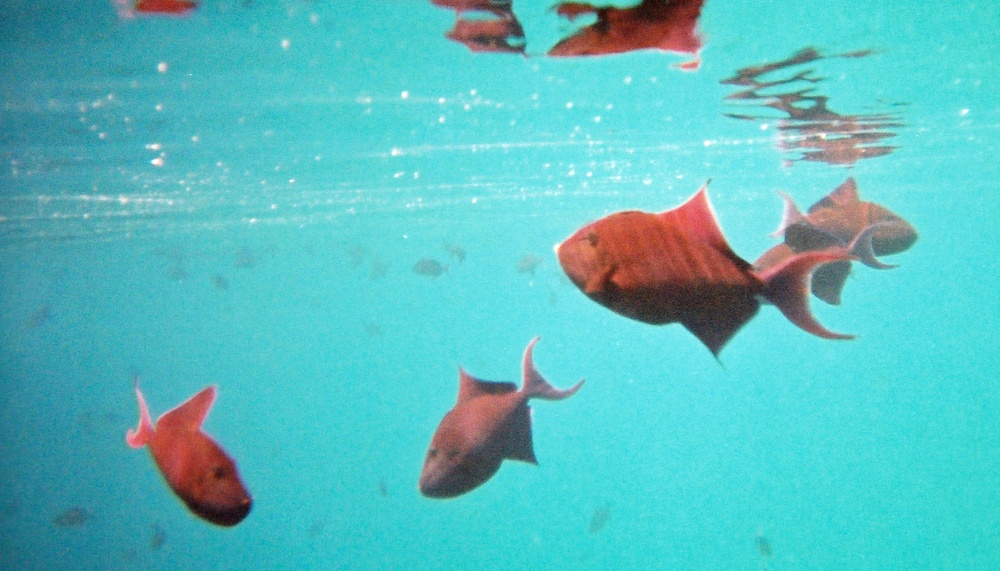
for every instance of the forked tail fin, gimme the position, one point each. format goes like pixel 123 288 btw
pixel 535 386
pixel 786 285
pixel 140 436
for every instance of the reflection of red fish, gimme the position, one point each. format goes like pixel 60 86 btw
pixel 164 6
pixel 839 219
pixel 503 35
pixel 677 267
pixel 195 467
pixel 652 24
pixel 490 422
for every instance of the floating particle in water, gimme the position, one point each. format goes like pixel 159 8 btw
pixel 220 282
pixel 316 528
pixel 373 330
pixel 455 250
pixel 763 545
pixel 528 263
pixel 40 316
pixel 379 269
pixel 357 255
pixel 383 490
pixel 245 259
pixel 158 538
pixel 177 274
pixel 599 518
pixel 429 267
pixel 73 517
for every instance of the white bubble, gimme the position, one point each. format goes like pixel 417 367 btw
pixel 162 67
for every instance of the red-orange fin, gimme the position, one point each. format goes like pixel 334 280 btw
pixel 470 387
pixel 534 385
pixel 191 413
pixel 140 436
pixel 786 285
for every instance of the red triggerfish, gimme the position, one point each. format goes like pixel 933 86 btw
pixel 676 266
pixel 839 219
pixel 490 422
pixel 195 467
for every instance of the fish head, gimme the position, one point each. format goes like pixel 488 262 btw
pixel 894 234
pixel 451 467
pixel 585 258
pixel 211 487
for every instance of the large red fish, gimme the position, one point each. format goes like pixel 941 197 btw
pixel 839 219
pixel 195 467
pixel 490 422
pixel 676 266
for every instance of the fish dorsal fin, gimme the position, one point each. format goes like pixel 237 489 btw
pixel 140 436
pixel 789 215
pixel 697 218
pixel 534 385
pixel 470 387
pixel 190 414
pixel 846 193
pixel 519 445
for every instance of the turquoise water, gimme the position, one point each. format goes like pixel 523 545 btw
pixel 308 154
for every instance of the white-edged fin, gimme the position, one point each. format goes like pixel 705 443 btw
pixel 140 436
pixel 789 215
pixel 861 247
pixel 533 385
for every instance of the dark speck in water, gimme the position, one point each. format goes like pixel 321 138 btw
pixel 528 263
pixel 41 316
pixel 158 538
pixel 456 251
pixel 430 268
pixel 220 282
pixel 599 519
pixel 73 517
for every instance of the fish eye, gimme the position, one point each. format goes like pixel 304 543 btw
pixel 219 472
pixel 432 453
pixel 592 238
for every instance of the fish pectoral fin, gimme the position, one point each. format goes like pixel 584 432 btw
pixel 599 281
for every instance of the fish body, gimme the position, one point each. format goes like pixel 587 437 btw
pixel 839 220
pixel 195 467
pixel 676 266
pixel 490 422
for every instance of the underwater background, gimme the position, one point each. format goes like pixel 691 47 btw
pixel 239 196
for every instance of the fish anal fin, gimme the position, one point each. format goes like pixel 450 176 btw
pixel 518 445
pixel 717 321
pixel 470 387
pixel 190 414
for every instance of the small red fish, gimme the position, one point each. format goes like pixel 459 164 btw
pixel 195 467
pixel 677 267
pixel 651 24
pixel 490 422
pixel 839 219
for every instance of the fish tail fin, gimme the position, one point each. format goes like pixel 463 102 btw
pixel 861 247
pixel 535 386
pixel 786 285
pixel 790 215
pixel 140 436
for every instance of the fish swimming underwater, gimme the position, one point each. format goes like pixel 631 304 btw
pixel 202 475
pixel 836 221
pixel 676 266
pixel 490 422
